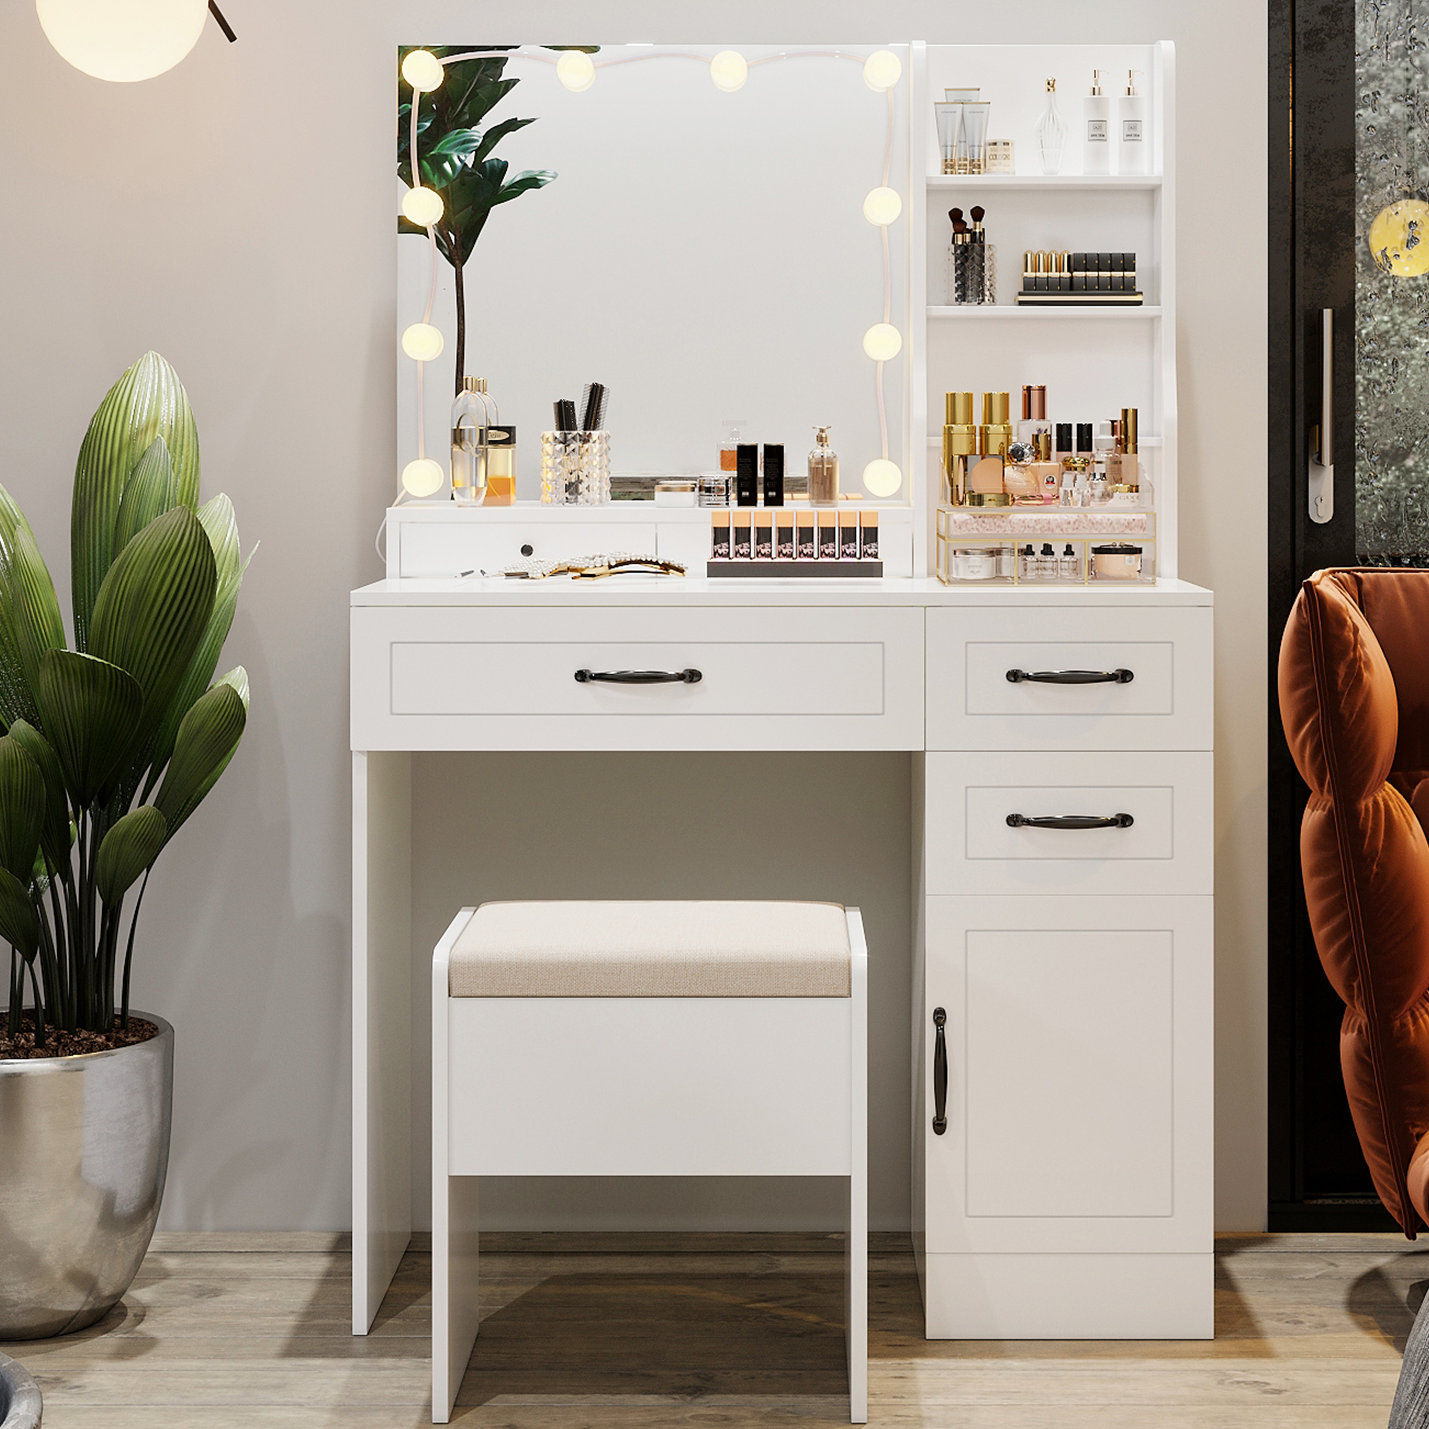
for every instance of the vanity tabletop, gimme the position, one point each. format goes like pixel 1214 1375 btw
pixel 652 590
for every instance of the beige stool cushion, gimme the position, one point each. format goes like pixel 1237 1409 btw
pixel 655 949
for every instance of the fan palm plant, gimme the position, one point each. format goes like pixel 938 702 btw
pixel 109 746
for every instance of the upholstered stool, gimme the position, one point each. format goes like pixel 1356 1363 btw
pixel 643 1039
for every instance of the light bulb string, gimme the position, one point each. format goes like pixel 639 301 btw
pixel 523 52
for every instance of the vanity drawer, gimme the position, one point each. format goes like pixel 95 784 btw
pixel 436 550
pixel 978 697
pixel 505 677
pixel 1166 847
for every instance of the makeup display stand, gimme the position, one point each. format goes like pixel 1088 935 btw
pixel 1060 738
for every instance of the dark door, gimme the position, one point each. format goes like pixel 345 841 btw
pixel 1348 469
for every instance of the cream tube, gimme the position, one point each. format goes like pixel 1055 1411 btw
pixel 973 142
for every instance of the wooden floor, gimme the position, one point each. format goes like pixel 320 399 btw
pixel 637 1332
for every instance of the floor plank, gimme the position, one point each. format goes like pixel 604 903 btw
pixel 644 1332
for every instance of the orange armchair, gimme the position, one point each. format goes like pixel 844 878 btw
pixel 1354 702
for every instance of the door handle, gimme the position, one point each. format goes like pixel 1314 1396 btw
pixel 1071 821
pixel 1321 483
pixel 940 1073
pixel 1070 677
pixel 639 677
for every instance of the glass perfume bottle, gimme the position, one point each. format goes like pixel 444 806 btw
pixel 1051 132
pixel 473 413
pixel 823 471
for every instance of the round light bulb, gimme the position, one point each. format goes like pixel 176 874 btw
pixel 423 206
pixel 882 206
pixel 729 69
pixel 883 342
pixel 882 70
pixel 882 477
pixel 575 70
pixel 422 477
pixel 422 342
pixel 423 70
pixel 122 40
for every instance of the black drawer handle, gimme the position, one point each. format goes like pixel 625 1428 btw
pixel 1071 677
pixel 940 1073
pixel 1071 821
pixel 639 677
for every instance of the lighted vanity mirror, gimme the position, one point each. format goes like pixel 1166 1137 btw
pixel 702 251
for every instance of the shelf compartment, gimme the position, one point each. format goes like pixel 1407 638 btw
pixel 1044 181
pixel 992 311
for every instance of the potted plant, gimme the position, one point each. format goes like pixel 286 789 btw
pixel 108 747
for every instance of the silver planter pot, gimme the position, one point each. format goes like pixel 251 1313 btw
pixel 86 1150
pixel 19 1397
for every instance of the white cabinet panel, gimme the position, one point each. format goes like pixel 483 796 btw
pixel 1166 848
pixel 1079 1074
pixel 979 698
pixel 442 677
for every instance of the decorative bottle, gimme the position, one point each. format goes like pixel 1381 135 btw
pixel 1051 132
pixel 1096 128
pixel 823 471
pixel 472 413
pixel 1132 138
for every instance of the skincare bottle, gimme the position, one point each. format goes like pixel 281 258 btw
pixel 742 549
pixel 746 475
pixel 773 473
pixel 472 413
pixel 1067 564
pixel 959 445
pixel 1051 133
pixel 1027 566
pixel 973 141
pixel 1104 445
pixel 823 471
pixel 1096 128
pixel 1132 138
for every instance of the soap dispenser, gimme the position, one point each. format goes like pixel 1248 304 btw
pixel 1132 138
pixel 823 471
pixel 1096 128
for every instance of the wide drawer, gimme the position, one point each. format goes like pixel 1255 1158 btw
pixel 1160 842
pixel 430 549
pixel 1156 692
pixel 515 678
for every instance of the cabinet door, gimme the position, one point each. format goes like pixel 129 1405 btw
pixel 1079 1057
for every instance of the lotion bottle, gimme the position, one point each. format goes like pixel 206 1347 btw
pixel 1096 128
pixel 1132 138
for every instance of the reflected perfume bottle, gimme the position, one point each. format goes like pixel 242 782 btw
pixel 473 414
pixel 1051 133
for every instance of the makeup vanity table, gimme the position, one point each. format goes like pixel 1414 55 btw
pixel 1060 733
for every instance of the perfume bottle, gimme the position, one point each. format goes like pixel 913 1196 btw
pixel 823 471
pixel 1132 138
pixel 729 448
pixel 1051 132
pixel 960 446
pixel 1096 128
pixel 1034 415
pixel 473 413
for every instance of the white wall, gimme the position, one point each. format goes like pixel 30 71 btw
pixel 236 215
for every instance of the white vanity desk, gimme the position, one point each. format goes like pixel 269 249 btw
pixel 1070 1193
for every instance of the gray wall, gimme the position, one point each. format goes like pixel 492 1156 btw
pixel 236 215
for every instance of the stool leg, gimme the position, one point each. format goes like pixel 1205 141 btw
pixel 856 1244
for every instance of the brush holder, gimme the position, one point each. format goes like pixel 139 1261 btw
pixel 961 275
pixel 575 468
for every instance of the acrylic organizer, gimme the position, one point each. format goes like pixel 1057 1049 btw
pixel 575 468
pixel 1052 547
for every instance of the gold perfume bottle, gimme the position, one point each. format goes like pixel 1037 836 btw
pixel 959 445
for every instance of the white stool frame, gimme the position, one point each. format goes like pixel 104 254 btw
pixel 796 1117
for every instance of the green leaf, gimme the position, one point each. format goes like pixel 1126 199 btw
pixel 148 401
pixel 154 606
pixel 56 833
pixel 455 142
pixel 27 595
pixel 19 923
pixel 89 712
pixel 218 520
pixel 17 700
pixel 22 808
pixel 151 491
pixel 207 739
pixel 493 136
pixel 127 850
pixel 524 182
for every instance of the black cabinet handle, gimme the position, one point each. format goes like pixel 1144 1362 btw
pixel 940 1073
pixel 639 677
pixel 1071 821
pixel 1071 677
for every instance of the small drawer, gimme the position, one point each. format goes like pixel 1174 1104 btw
pixel 1071 678
pixel 1018 823
pixel 502 677
pixel 435 550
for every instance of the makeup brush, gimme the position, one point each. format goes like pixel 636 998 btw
pixel 565 415
pixel 599 395
pixel 977 254
pixel 584 408
pixel 956 216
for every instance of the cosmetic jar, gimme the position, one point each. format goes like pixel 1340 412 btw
pixel 714 489
pixel 1116 562
pixel 975 563
pixel 989 498
pixel 675 493
pixel 1123 495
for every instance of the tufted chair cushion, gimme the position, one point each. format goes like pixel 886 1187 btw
pixel 1354 702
